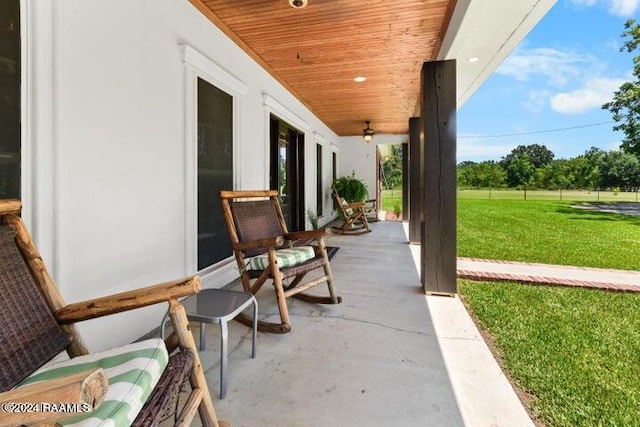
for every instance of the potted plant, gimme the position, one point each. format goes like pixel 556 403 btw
pixel 313 218
pixel 351 189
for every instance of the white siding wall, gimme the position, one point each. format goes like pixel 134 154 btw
pixel 359 157
pixel 106 121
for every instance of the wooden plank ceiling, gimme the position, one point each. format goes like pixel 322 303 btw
pixel 317 51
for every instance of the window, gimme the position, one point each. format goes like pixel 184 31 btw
pixel 319 192
pixel 334 166
pixel 215 171
pixel 10 99
pixel 213 99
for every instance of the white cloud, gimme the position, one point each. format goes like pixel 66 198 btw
pixel 593 93
pixel 625 8
pixel 538 99
pixel 558 66
pixel 587 3
pixel 615 145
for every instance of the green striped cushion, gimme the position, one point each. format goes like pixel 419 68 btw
pixel 349 211
pixel 133 371
pixel 286 257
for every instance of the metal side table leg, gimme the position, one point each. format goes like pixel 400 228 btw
pixel 255 327
pixel 223 358
pixel 203 339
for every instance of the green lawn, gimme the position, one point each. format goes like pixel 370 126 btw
pixel 548 232
pixel 391 199
pixel 542 228
pixel 575 350
pixel 574 195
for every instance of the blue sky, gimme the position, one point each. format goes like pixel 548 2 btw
pixel 558 77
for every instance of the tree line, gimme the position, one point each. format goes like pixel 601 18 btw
pixel 535 167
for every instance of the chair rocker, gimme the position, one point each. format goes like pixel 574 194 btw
pixel 264 249
pixel 131 385
pixel 354 215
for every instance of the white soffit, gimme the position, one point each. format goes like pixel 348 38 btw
pixel 488 30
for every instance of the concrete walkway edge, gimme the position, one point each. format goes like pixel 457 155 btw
pixel 549 274
pixel 483 392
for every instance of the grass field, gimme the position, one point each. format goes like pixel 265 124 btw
pixel 389 197
pixel 572 195
pixel 542 228
pixel 575 350
pixel 547 232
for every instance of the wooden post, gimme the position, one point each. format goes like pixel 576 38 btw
pixel 197 379
pixel 415 181
pixel 438 136
pixel 405 181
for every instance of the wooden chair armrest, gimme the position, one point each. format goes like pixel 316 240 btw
pixel 129 300
pixel 261 243
pixel 307 234
pixel 354 205
pixel 10 206
pixel 36 403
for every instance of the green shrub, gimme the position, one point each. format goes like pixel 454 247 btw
pixel 313 218
pixel 350 188
pixel 397 209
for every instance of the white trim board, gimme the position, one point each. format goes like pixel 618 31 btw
pixel 197 66
pixel 284 113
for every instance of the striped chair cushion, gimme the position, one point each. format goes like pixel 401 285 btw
pixel 286 257
pixel 343 202
pixel 133 371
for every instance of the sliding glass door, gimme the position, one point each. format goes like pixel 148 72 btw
pixel 287 171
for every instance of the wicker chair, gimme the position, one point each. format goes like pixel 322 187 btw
pixel 264 249
pixel 83 390
pixel 354 215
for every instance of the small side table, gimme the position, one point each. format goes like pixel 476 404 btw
pixel 218 306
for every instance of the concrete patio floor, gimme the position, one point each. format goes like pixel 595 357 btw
pixel 387 356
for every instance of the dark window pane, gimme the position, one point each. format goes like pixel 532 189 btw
pixel 215 171
pixel 319 192
pixel 334 167
pixel 9 99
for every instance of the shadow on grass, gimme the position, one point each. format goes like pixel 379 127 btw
pixel 592 214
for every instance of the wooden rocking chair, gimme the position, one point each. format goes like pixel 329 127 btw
pixel 354 215
pixel 131 385
pixel 264 249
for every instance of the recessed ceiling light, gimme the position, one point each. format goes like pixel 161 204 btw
pixel 473 59
pixel 297 4
pixel 360 79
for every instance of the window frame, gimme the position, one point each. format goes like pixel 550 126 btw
pixel 271 106
pixel 197 66
pixel 319 181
